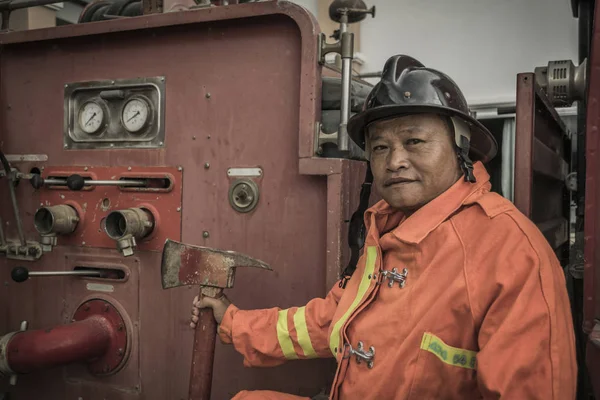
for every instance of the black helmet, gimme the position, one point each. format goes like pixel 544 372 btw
pixel 408 87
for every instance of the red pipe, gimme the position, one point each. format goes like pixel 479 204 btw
pixel 79 341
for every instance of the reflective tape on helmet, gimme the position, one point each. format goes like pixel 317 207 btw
pixel 283 336
pixel 334 338
pixel 302 332
pixel 448 354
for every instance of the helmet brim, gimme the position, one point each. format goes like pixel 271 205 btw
pixel 483 144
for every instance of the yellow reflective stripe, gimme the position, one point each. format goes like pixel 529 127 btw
pixel 334 339
pixel 283 335
pixel 302 331
pixel 448 354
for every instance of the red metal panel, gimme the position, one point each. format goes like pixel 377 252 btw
pixel 524 133
pixel 591 298
pixel 95 204
pixel 260 115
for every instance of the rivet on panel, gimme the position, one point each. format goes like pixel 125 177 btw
pixel 208 95
pixel 179 168
pixel 85 168
pixel 205 234
pixel 83 243
pixel 178 209
pixel 208 137
pixel 206 165
pixel 112 145
pixel 112 82
pixel 160 143
pixel 193 137
pixel 65 146
pixel 128 168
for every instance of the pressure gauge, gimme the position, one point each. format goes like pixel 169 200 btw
pixel 135 115
pixel 91 117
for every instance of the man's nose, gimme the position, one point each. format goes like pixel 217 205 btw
pixel 397 159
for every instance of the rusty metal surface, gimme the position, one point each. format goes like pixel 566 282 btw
pixel 183 264
pixel 95 203
pixel 262 115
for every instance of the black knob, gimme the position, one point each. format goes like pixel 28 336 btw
pixel 19 274
pixel 36 181
pixel 75 182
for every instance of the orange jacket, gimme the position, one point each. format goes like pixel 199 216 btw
pixel 483 311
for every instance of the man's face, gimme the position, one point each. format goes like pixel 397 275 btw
pixel 413 160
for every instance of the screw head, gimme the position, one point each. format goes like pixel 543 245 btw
pixel 205 234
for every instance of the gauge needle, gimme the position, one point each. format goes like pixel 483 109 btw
pixel 134 115
pixel 90 120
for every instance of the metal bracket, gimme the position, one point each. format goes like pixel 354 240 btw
pixel 15 251
pixel 326 48
pixel 322 138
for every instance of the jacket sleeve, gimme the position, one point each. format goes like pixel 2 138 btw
pixel 526 338
pixel 272 336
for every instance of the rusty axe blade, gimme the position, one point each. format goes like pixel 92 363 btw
pixel 184 264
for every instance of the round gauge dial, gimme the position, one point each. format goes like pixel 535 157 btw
pixel 91 117
pixel 135 114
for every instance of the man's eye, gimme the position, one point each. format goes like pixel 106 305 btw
pixel 379 147
pixel 413 141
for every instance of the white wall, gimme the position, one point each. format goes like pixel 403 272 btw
pixel 481 44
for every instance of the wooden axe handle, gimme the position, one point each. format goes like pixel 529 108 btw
pixel 203 355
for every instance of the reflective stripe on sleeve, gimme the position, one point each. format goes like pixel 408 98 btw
pixel 334 339
pixel 283 335
pixel 302 331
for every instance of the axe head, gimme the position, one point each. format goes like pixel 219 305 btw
pixel 184 264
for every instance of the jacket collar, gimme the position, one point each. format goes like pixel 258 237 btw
pixel 416 227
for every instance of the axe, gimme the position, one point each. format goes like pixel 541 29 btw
pixel 213 270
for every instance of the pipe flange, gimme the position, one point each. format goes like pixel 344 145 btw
pixel 117 352
pixel 4 366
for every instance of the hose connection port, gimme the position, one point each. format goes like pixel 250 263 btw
pixel 54 220
pixel 127 226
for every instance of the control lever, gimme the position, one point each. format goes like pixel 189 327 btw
pixel 21 274
pixel 77 182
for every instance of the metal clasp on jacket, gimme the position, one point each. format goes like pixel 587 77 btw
pixel 360 353
pixel 394 276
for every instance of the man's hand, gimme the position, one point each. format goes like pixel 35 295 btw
pixel 219 306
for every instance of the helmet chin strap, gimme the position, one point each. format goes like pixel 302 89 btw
pixel 462 136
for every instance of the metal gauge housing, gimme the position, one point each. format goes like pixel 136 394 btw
pixel 92 116
pixel 136 114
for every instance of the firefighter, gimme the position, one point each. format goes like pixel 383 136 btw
pixel 456 295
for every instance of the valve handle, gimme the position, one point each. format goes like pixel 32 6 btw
pixel 19 274
pixel 75 182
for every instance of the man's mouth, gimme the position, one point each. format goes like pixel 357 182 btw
pixel 397 181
